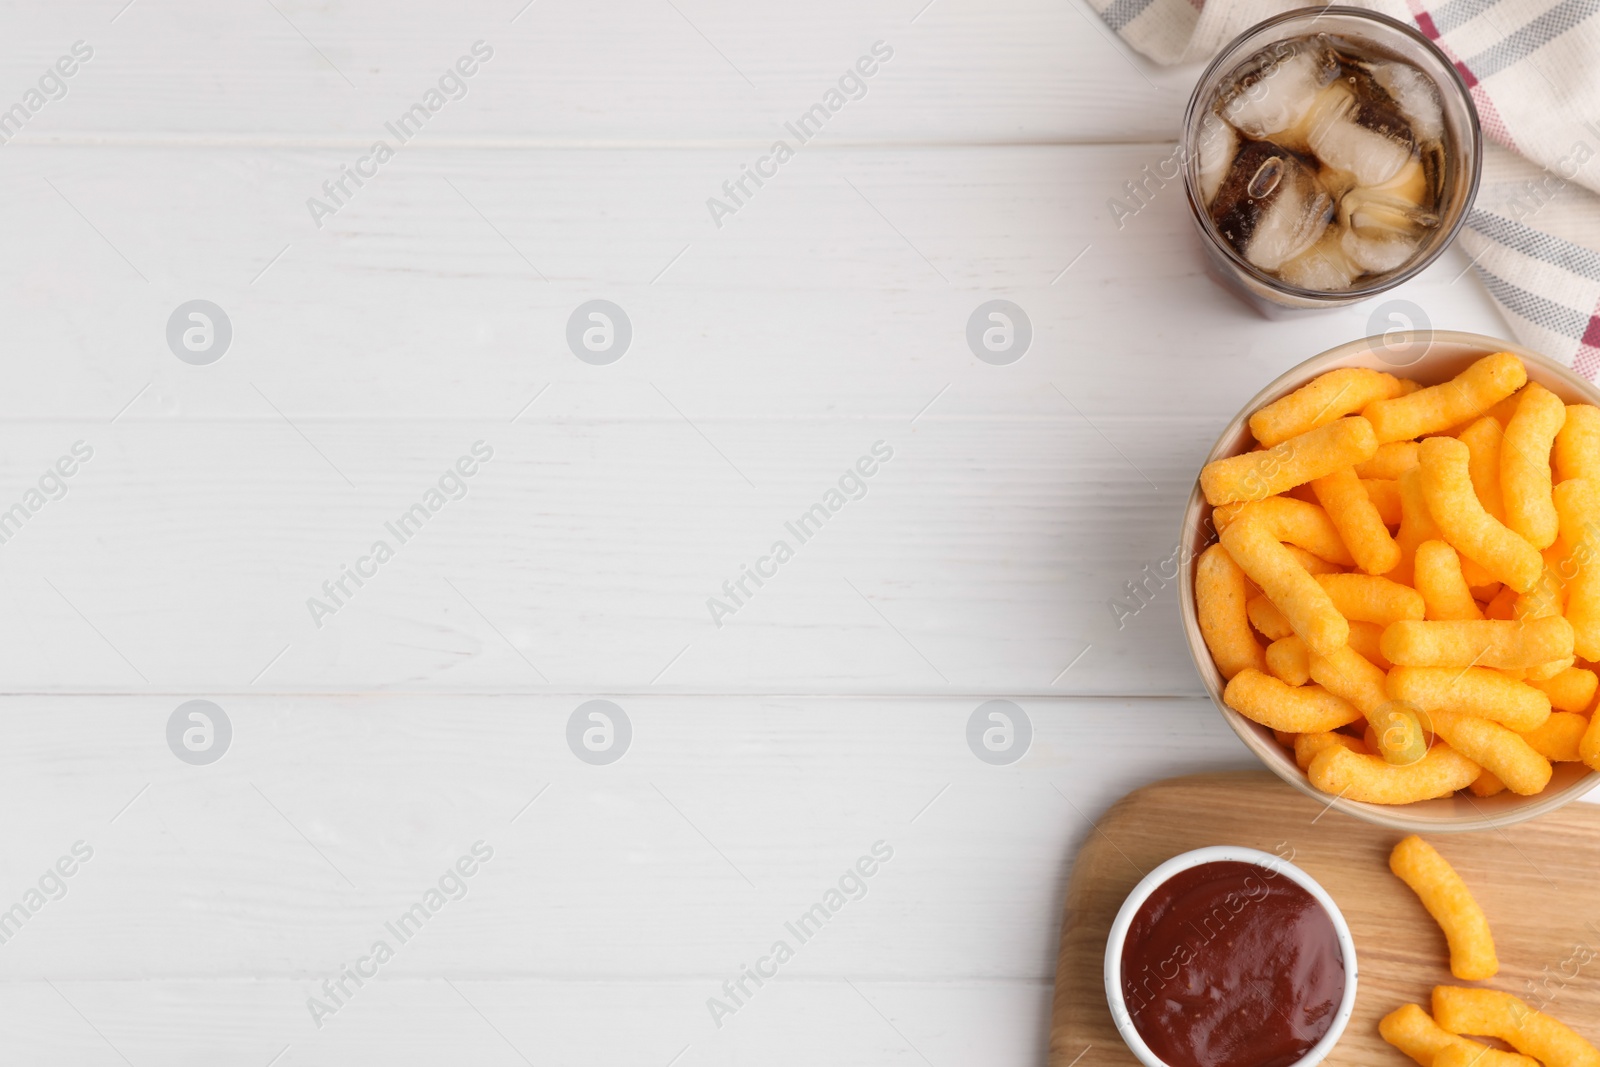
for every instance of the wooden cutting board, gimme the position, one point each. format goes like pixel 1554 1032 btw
pixel 1539 883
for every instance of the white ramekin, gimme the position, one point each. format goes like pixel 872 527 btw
pixel 1216 854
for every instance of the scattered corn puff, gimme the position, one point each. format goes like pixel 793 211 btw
pixel 1577 503
pixel 1470 529
pixel 1340 772
pixel 1219 597
pixel 1267 619
pixel 1385 496
pixel 1525 481
pixel 1543 599
pixel 1494 748
pixel 1476 574
pixel 1571 690
pixel 1306 746
pixel 1312 564
pixel 1288 661
pixel 1439 407
pixel 1308 609
pixel 1347 674
pixel 1306 709
pixel 1461 1055
pixel 1490 643
pixel 1296 522
pixel 1356 519
pixel 1559 740
pixel 1445 594
pixel 1370 741
pixel 1413 1031
pixel 1292 521
pixel 1390 461
pixel 1473 691
pixel 1546 671
pixel 1502 411
pixel 1416 525
pixel 1491 1013
pixel 1306 456
pixel 1503 606
pixel 1487 785
pixel 1367 638
pixel 1222 516
pixel 1302 493
pixel 1577 449
pixel 1589 744
pixel 1483 440
pixel 1447 899
pixel 1368 598
pixel 1320 401
pixel 1398 733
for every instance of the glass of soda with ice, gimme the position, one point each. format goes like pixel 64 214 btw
pixel 1330 154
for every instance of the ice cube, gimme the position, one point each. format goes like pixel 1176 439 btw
pixel 1377 254
pixel 1270 206
pixel 1293 220
pixel 1216 146
pixel 1396 208
pixel 1366 137
pixel 1414 94
pixel 1384 225
pixel 1337 182
pixel 1409 184
pixel 1278 95
pixel 1323 267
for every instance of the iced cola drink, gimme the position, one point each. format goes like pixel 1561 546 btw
pixel 1332 154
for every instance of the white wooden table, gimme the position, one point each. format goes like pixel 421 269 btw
pixel 429 711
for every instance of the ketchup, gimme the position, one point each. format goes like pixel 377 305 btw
pixel 1229 964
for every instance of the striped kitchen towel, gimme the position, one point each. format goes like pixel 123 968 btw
pixel 1533 67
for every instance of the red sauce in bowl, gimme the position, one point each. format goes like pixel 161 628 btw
pixel 1229 964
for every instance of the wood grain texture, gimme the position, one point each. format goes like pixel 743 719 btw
pixel 827 313
pixel 1024 500
pixel 500 1022
pixel 611 70
pixel 1535 881
pixel 726 817
pixel 842 290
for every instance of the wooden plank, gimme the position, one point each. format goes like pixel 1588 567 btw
pixel 1534 881
pixel 584 555
pixel 421 1022
pixel 726 818
pixel 1026 500
pixel 843 290
pixel 630 70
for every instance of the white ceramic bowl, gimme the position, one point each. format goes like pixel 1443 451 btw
pixel 1214 854
pixel 1429 357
